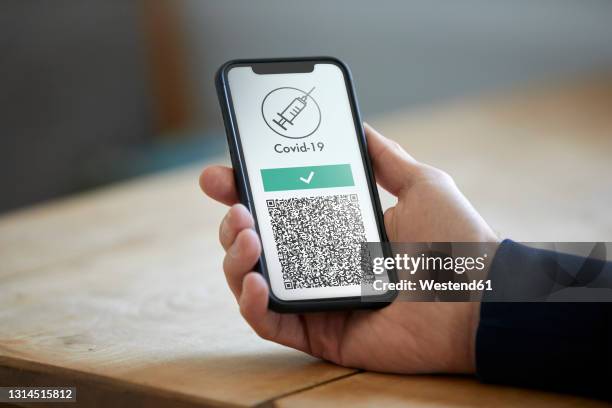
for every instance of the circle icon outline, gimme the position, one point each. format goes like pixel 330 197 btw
pixel 295 89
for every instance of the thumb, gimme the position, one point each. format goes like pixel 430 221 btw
pixel 393 167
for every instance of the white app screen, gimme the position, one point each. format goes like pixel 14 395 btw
pixel 307 178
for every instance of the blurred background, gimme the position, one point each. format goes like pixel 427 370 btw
pixel 97 91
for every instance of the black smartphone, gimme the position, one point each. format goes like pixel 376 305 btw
pixel 302 168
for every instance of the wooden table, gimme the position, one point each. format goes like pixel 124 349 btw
pixel 120 293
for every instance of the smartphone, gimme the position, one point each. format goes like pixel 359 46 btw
pixel 301 165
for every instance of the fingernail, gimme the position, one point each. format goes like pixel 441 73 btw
pixel 225 228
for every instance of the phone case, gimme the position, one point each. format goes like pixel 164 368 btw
pixel 244 191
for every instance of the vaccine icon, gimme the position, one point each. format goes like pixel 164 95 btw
pixel 291 112
pixel 288 115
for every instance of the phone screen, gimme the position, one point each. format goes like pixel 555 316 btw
pixel 307 178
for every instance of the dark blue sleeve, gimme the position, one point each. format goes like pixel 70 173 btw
pixel 563 347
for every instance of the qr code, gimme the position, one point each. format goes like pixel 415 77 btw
pixel 318 240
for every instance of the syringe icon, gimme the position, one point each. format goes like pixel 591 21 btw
pixel 292 110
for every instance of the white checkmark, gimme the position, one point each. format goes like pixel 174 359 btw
pixel 307 180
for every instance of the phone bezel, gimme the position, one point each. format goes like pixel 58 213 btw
pixel 244 189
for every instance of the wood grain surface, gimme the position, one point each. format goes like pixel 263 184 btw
pixel 140 298
pixel 120 290
pixel 385 390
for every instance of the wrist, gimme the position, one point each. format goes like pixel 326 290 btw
pixel 458 351
pixel 465 342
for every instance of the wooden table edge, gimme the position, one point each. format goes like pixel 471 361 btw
pixel 95 386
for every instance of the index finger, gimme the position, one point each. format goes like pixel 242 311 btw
pixel 218 183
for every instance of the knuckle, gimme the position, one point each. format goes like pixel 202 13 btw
pixel 436 174
pixel 441 174
pixel 245 314
pixel 264 333
pixel 227 265
pixel 250 243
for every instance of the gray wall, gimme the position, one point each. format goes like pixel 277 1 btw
pixel 74 86
pixel 406 52
pixel 73 89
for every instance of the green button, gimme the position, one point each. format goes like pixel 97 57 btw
pixel 303 178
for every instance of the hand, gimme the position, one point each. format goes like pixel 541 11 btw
pixel 404 337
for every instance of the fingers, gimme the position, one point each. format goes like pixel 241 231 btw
pixel 240 259
pixel 254 306
pixel 286 329
pixel 218 183
pixel 236 219
pixel 252 292
pixel 394 168
pixel 243 249
pixel 241 244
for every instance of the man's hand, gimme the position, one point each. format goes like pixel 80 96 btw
pixel 401 338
